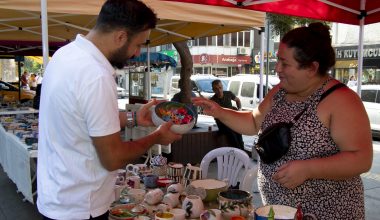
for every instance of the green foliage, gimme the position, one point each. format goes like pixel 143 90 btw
pixel 280 24
pixel 32 66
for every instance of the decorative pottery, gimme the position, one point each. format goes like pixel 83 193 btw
pixel 212 187
pixel 181 115
pixel 281 212
pixel 234 202
pixel 193 206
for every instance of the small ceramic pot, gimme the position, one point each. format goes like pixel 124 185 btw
pixel 234 202
pixel 154 196
pixel 150 181
pixel 172 199
pixel 193 206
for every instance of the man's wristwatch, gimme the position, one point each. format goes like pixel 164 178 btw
pixel 131 119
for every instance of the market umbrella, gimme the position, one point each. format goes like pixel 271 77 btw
pixel 155 58
pixel 356 12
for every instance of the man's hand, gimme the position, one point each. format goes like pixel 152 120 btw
pixel 144 114
pixel 165 135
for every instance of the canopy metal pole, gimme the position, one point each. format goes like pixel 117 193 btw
pixel 360 50
pixel 148 83
pixel 45 39
pixel 262 49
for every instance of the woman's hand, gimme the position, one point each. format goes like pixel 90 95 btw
pixel 291 174
pixel 209 107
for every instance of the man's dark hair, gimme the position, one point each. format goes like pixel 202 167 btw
pixel 216 82
pixel 132 15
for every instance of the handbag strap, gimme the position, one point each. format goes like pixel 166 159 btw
pixel 326 93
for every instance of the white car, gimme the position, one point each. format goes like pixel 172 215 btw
pixel 247 86
pixel 370 95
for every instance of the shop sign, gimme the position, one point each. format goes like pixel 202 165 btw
pixel 221 59
pixel 369 51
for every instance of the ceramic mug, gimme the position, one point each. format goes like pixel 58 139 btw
pixel 136 195
pixel 120 178
pixel 132 170
pixel 150 181
pixel 191 173
pixel 179 214
pixel 172 199
pixel 154 196
pixel 193 206
pixel 133 182
pixel 175 188
pixel 175 171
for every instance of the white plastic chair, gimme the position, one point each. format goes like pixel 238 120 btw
pixel 231 162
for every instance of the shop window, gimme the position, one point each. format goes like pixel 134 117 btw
pixel 369 95
pixel 240 39
pixel 227 40
pixel 247 89
pixel 211 41
pixel 202 41
pixel 220 40
pixel 233 39
pixel 247 38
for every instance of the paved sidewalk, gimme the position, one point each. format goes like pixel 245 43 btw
pixel 13 208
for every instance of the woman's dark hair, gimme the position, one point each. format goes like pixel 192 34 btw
pixel 132 15
pixel 312 43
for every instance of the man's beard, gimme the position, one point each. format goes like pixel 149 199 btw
pixel 119 58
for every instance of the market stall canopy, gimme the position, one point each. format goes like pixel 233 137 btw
pixel 342 11
pixel 155 59
pixel 20 21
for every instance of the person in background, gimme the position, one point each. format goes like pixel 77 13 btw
pixel 33 82
pixel 224 99
pixel 352 81
pixel 331 143
pixel 80 147
pixel 24 79
pixel 178 97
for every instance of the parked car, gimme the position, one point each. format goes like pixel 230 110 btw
pixel 247 86
pixel 200 83
pixel 370 95
pixel 10 93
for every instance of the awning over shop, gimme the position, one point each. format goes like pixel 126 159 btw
pixel 344 64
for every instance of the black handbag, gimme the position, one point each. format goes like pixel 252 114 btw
pixel 274 141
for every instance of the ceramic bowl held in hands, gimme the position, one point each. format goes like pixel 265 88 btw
pixel 183 117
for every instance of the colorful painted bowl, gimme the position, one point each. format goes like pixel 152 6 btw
pixel 183 117
pixel 126 211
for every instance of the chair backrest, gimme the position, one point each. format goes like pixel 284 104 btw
pixel 232 162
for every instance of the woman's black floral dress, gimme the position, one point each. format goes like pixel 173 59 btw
pixel 327 199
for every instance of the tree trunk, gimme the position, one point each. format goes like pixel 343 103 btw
pixel 186 70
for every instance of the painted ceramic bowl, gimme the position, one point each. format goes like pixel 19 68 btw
pixel 212 187
pixel 126 211
pixel 183 117
pixel 234 202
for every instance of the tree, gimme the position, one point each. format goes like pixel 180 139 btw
pixel 186 69
pixel 280 24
